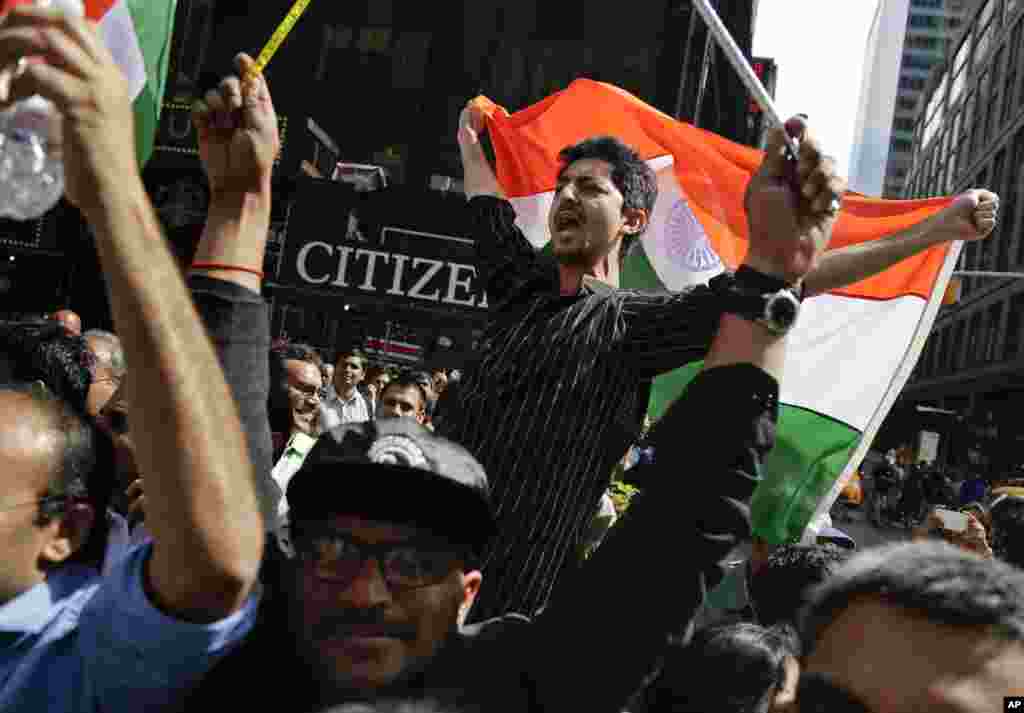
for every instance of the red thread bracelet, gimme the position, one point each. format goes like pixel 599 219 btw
pixel 220 266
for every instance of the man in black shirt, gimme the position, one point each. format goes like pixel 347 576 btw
pixel 558 393
pixel 388 521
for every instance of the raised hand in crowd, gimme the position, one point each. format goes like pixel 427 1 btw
pixel 238 143
pixel 193 585
pixel 790 229
pixel 972 539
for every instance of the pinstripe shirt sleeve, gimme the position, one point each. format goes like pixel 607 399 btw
pixel 505 258
pixel 665 331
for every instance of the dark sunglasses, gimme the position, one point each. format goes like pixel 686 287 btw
pixel 337 557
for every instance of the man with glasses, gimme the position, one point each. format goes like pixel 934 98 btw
pixel 108 368
pixel 389 522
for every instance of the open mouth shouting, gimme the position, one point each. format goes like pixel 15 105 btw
pixel 567 219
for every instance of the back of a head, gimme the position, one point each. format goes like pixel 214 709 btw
pixel 779 590
pixel 733 668
pixel 392 707
pixel 1007 513
pixel 43 351
pixel 944 584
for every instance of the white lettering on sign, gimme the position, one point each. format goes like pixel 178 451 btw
pixel 371 266
pixel 396 286
pixel 454 282
pixel 427 276
pixel 300 262
pixel 343 254
pixel 417 289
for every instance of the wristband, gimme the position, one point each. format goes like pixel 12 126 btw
pixel 229 268
pixel 747 278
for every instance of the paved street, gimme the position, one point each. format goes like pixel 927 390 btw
pixel 866 534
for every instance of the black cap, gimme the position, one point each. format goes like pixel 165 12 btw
pixel 395 470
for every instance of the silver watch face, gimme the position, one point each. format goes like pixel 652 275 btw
pixel 782 310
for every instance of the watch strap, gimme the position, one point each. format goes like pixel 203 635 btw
pixel 750 280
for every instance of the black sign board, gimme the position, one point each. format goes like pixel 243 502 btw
pixel 397 248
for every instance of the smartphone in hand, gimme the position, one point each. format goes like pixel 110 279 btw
pixel 952 520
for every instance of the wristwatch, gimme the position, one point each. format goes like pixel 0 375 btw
pixel 776 310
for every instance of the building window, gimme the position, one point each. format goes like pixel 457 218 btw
pixel 901 145
pixel 995 318
pixel 924 21
pixel 959 332
pixel 914 84
pixel 935 4
pixel 916 61
pixel 903 124
pixel 906 103
pixel 1011 343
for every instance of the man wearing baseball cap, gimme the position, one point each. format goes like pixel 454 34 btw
pixel 388 521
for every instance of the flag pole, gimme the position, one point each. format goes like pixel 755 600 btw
pixel 743 68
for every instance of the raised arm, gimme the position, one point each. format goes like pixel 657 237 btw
pixel 972 216
pixel 657 564
pixel 201 506
pixel 505 258
pixel 238 143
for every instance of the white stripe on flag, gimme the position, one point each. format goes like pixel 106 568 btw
pixel 844 351
pixel 118 32
pixel 898 381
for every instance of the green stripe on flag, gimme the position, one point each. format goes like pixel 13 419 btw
pixel 154 27
pixel 810 454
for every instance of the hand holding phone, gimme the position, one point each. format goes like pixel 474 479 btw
pixel 952 520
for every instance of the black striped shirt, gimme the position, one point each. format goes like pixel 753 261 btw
pixel 556 398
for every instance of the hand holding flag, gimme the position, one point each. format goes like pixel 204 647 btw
pixel 790 221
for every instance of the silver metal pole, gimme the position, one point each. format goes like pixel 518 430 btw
pixel 743 68
pixel 983 273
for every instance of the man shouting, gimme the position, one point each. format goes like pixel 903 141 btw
pixel 558 393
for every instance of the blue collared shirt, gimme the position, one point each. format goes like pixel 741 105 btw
pixel 80 642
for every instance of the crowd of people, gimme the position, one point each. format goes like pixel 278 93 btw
pixel 192 513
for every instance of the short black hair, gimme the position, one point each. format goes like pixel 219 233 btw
pixel 364 361
pixel 279 411
pixel 43 351
pixel 942 583
pixel 1008 529
pixel 630 174
pixel 779 590
pixel 691 678
pixel 410 379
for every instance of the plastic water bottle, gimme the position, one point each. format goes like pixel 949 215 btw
pixel 31 163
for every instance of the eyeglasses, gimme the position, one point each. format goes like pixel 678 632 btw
pixel 307 390
pixel 337 557
pixel 49 505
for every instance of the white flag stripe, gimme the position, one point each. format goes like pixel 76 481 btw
pixel 118 32
pixel 843 352
pixel 899 379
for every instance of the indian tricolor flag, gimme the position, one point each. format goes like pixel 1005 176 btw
pixel 852 350
pixel 138 34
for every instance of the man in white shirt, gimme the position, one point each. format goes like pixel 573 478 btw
pixel 346 404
